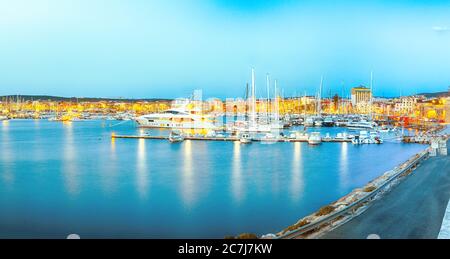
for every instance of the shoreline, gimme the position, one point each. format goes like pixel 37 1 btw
pixel 356 202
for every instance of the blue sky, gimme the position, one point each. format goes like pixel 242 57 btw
pixel 138 48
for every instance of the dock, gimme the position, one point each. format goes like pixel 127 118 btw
pixel 167 138
pixel 197 138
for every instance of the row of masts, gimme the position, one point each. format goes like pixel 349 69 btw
pixel 252 99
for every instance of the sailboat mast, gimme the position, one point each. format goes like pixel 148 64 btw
pixel 304 110
pixel 246 101
pixel 319 98
pixel 341 102
pixel 253 118
pixel 268 98
pixel 277 110
pixel 371 95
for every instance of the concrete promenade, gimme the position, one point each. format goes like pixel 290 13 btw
pixel 413 209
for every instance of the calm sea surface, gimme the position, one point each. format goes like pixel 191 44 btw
pixel 57 179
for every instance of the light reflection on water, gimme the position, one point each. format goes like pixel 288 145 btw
pixel 108 167
pixel 236 181
pixel 70 170
pixel 297 172
pixel 142 169
pixel 6 154
pixel 157 189
pixel 188 181
pixel 343 170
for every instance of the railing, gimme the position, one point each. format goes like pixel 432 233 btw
pixel 350 208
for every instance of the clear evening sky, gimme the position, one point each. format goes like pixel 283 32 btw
pixel 167 48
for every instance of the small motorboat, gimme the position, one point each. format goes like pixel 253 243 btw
pixel 375 138
pixel 318 122
pixel 342 136
pixel 365 137
pixel 270 138
pixel 362 138
pixel 245 139
pixel 309 122
pixel 328 122
pixel 175 137
pixel 299 135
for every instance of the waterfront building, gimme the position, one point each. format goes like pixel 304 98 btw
pixel 383 106
pixel 433 109
pixel 361 97
pixel 447 109
pixel 406 105
pixel 214 105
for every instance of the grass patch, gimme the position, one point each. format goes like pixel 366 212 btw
pixel 325 210
pixel 296 226
pixel 370 188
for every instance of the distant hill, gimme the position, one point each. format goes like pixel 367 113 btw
pixel 73 99
pixel 435 95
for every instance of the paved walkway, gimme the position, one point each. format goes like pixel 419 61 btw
pixel 413 209
pixel 445 228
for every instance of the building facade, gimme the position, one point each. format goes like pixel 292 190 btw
pixel 360 98
pixel 406 105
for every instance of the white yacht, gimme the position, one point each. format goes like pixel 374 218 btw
pixel 362 124
pixel 341 122
pixel 177 118
pixel 3 118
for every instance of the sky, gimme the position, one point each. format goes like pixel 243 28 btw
pixel 168 48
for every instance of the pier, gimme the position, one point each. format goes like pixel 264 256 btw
pixel 195 138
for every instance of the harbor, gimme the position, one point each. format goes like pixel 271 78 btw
pixel 224 120
pixel 195 154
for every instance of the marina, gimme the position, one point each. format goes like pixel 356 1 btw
pixel 194 159
pixel 227 120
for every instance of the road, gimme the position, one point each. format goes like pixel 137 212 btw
pixel 412 210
